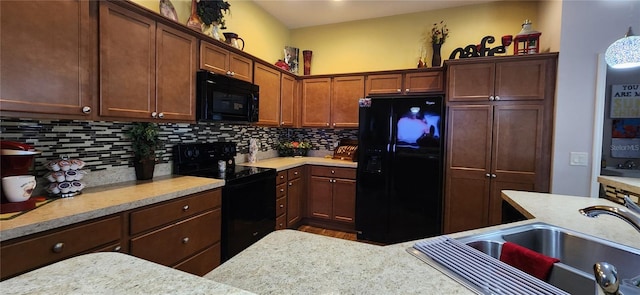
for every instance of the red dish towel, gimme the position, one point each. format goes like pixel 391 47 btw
pixel 529 261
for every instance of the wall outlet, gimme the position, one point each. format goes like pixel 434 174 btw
pixel 579 159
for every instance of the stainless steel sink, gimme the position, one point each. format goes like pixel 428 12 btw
pixel 577 253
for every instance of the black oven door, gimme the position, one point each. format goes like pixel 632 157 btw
pixel 248 212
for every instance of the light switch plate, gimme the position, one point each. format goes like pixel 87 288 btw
pixel 579 159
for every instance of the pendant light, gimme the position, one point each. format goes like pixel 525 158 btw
pixel 624 53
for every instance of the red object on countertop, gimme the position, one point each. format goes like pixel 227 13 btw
pixel 529 261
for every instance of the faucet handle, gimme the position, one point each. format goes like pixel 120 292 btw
pixel 607 277
pixel 631 205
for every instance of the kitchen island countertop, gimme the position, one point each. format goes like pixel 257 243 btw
pixel 292 262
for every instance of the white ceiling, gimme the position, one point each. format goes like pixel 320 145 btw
pixel 305 13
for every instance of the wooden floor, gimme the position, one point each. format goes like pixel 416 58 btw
pixel 328 232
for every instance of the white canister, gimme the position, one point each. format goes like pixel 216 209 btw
pixel 253 150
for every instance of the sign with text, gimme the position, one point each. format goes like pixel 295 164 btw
pixel 625 101
pixel 625 147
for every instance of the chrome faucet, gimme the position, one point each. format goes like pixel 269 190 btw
pixel 628 216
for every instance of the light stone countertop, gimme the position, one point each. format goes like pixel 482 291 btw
pixel 284 163
pixel 102 201
pixel 292 262
pixel 629 184
pixel 112 273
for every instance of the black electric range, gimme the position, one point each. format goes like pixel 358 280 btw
pixel 248 196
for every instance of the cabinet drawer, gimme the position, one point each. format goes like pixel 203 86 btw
pixel 203 262
pixel 337 172
pixel 281 177
pixel 173 243
pixel 281 222
pixel 294 173
pixel 281 190
pixel 146 219
pixel 281 206
pixel 58 245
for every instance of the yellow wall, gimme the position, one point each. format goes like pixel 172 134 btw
pixel 265 36
pixel 386 43
pixel 395 42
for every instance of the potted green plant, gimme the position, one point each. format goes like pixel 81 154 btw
pixel 212 12
pixel 145 140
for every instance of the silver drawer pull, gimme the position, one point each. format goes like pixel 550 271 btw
pixel 185 240
pixel 185 208
pixel 58 247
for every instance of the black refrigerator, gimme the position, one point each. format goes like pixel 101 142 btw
pixel 400 168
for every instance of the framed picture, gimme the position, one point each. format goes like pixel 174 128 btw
pixel 291 58
pixel 625 101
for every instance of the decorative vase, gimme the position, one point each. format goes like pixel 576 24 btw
pixel 144 168
pixel 215 31
pixel 437 59
pixel 194 21
pixel 306 55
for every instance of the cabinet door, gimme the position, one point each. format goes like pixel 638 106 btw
pixel 467 167
pixel 213 58
pixel 288 101
pixel 268 79
pixel 344 101
pixel 384 84
pixel 241 67
pixel 424 82
pixel 470 82
pixel 316 97
pixel 176 72
pixel 127 63
pixel 320 197
pixel 516 158
pixel 521 80
pixel 294 198
pixel 46 51
pixel 344 200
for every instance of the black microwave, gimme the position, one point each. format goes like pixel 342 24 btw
pixel 222 98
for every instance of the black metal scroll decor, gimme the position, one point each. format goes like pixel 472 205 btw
pixel 479 50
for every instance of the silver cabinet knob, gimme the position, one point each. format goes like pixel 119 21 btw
pixel 334 124
pixel 295 173
pixel 491 97
pixel 487 175
pixel 86 110
pixel 117 248
pixel 282 123
pixel 398 90
pixel 58 247
pixel 185 208
pixel 281 176
pixel 497 97
pixel 290 184
pixel 493 176
pixel 333 172
pixel 161 115
pixel 185 240
pixel 281 190
pixel 233 73
pixel 327 124
pixel 407 90
pixel 281 206
pixel 154 115
pixel 228 73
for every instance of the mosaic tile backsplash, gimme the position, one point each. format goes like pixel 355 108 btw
pixel 104 145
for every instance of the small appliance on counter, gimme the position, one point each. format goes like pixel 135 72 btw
pixel 16 159
pixel 347 150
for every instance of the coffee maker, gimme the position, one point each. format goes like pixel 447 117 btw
pixel 15 159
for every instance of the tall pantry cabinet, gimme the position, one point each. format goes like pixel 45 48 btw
pixel 499 134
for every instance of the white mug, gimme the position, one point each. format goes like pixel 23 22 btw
pixel 18 188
